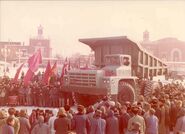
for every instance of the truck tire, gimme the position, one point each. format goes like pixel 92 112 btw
pixel 125 93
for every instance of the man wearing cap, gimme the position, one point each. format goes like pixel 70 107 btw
pixel 62 124
pixel 137 118
pixel 80 122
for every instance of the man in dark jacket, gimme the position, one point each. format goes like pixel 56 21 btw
pixel 80 122
pixel 124 118
pixel 112 124
pixel 62 124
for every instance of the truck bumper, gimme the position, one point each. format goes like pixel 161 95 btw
pixel 85 90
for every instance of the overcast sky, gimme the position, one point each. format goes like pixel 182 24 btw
pixel 65 22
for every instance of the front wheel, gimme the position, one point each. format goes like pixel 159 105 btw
pixel 125 93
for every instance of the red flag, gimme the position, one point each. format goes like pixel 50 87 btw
pixel 54 69
pixel 47 73
pixel 28 76
pixel 34 65
pixel 34 62
pixel 17 73
pixel 31 59
pixel 69 66
pixel 64 69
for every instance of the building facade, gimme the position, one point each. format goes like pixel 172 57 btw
pixel 170 50
pixel 17 52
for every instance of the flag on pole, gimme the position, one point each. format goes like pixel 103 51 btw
pixel 17 73
pixel 33 62
pixel 64 69
pixel 34 65
pixel 54 69
pixel 69 66
pixel 47 74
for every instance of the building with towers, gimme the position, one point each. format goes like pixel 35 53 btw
pixel 40 42
pixel 17 52
pixel 168 49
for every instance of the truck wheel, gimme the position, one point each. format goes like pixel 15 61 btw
pixel 125 93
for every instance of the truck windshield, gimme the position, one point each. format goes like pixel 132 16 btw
pixel 112 60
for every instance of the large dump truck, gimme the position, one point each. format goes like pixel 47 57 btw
pixel 119 63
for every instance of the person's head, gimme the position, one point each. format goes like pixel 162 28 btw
pixel 67 107
pixel 90 109
pixel 62 112
pixel 103 109
pixel 179 103
pixel 23 113
pixel 81 109
pixel 11 111
pixel 124 109
pixel 135 110
pixel 98 113
pixel 3 114
pixel 10 121
pixel 182 112
pixel 152 111
pixel 41 119
pixel 141 98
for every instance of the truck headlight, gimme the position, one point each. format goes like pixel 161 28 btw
pixel 108 81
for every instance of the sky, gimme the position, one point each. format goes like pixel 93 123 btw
pixel 64 22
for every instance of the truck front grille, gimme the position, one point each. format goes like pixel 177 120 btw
pixel 82 79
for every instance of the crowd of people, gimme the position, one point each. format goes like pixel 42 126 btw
pixel 161 112
pixel 36 93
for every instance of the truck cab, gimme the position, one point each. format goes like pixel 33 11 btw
pixel 114 79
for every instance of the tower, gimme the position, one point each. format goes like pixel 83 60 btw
pixel 145 36
pixel 40 31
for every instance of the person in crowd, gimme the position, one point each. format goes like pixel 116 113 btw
pixel 24 122
pixel 124 118
pixel 137 118
pixel 146 109
pixel 152 123
pixel 98 124
pixel 41 127
pixel 28 96
pixel 3 118
pixel 162 126
pixel 167 115
pixel 16 124
pixel 136 126
pixel 180 123
pixel 51 123
pixel 33 118
pixel 2 96
pixel 62 124
pixel 67 109
pixel 8 127
pixel 80 122
pixel 112 123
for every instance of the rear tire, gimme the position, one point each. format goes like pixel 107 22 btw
pixel 125 92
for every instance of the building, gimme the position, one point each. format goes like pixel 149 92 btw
pixel 170 50
pixel 40 42
pixel 17 52
pixel 12 51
